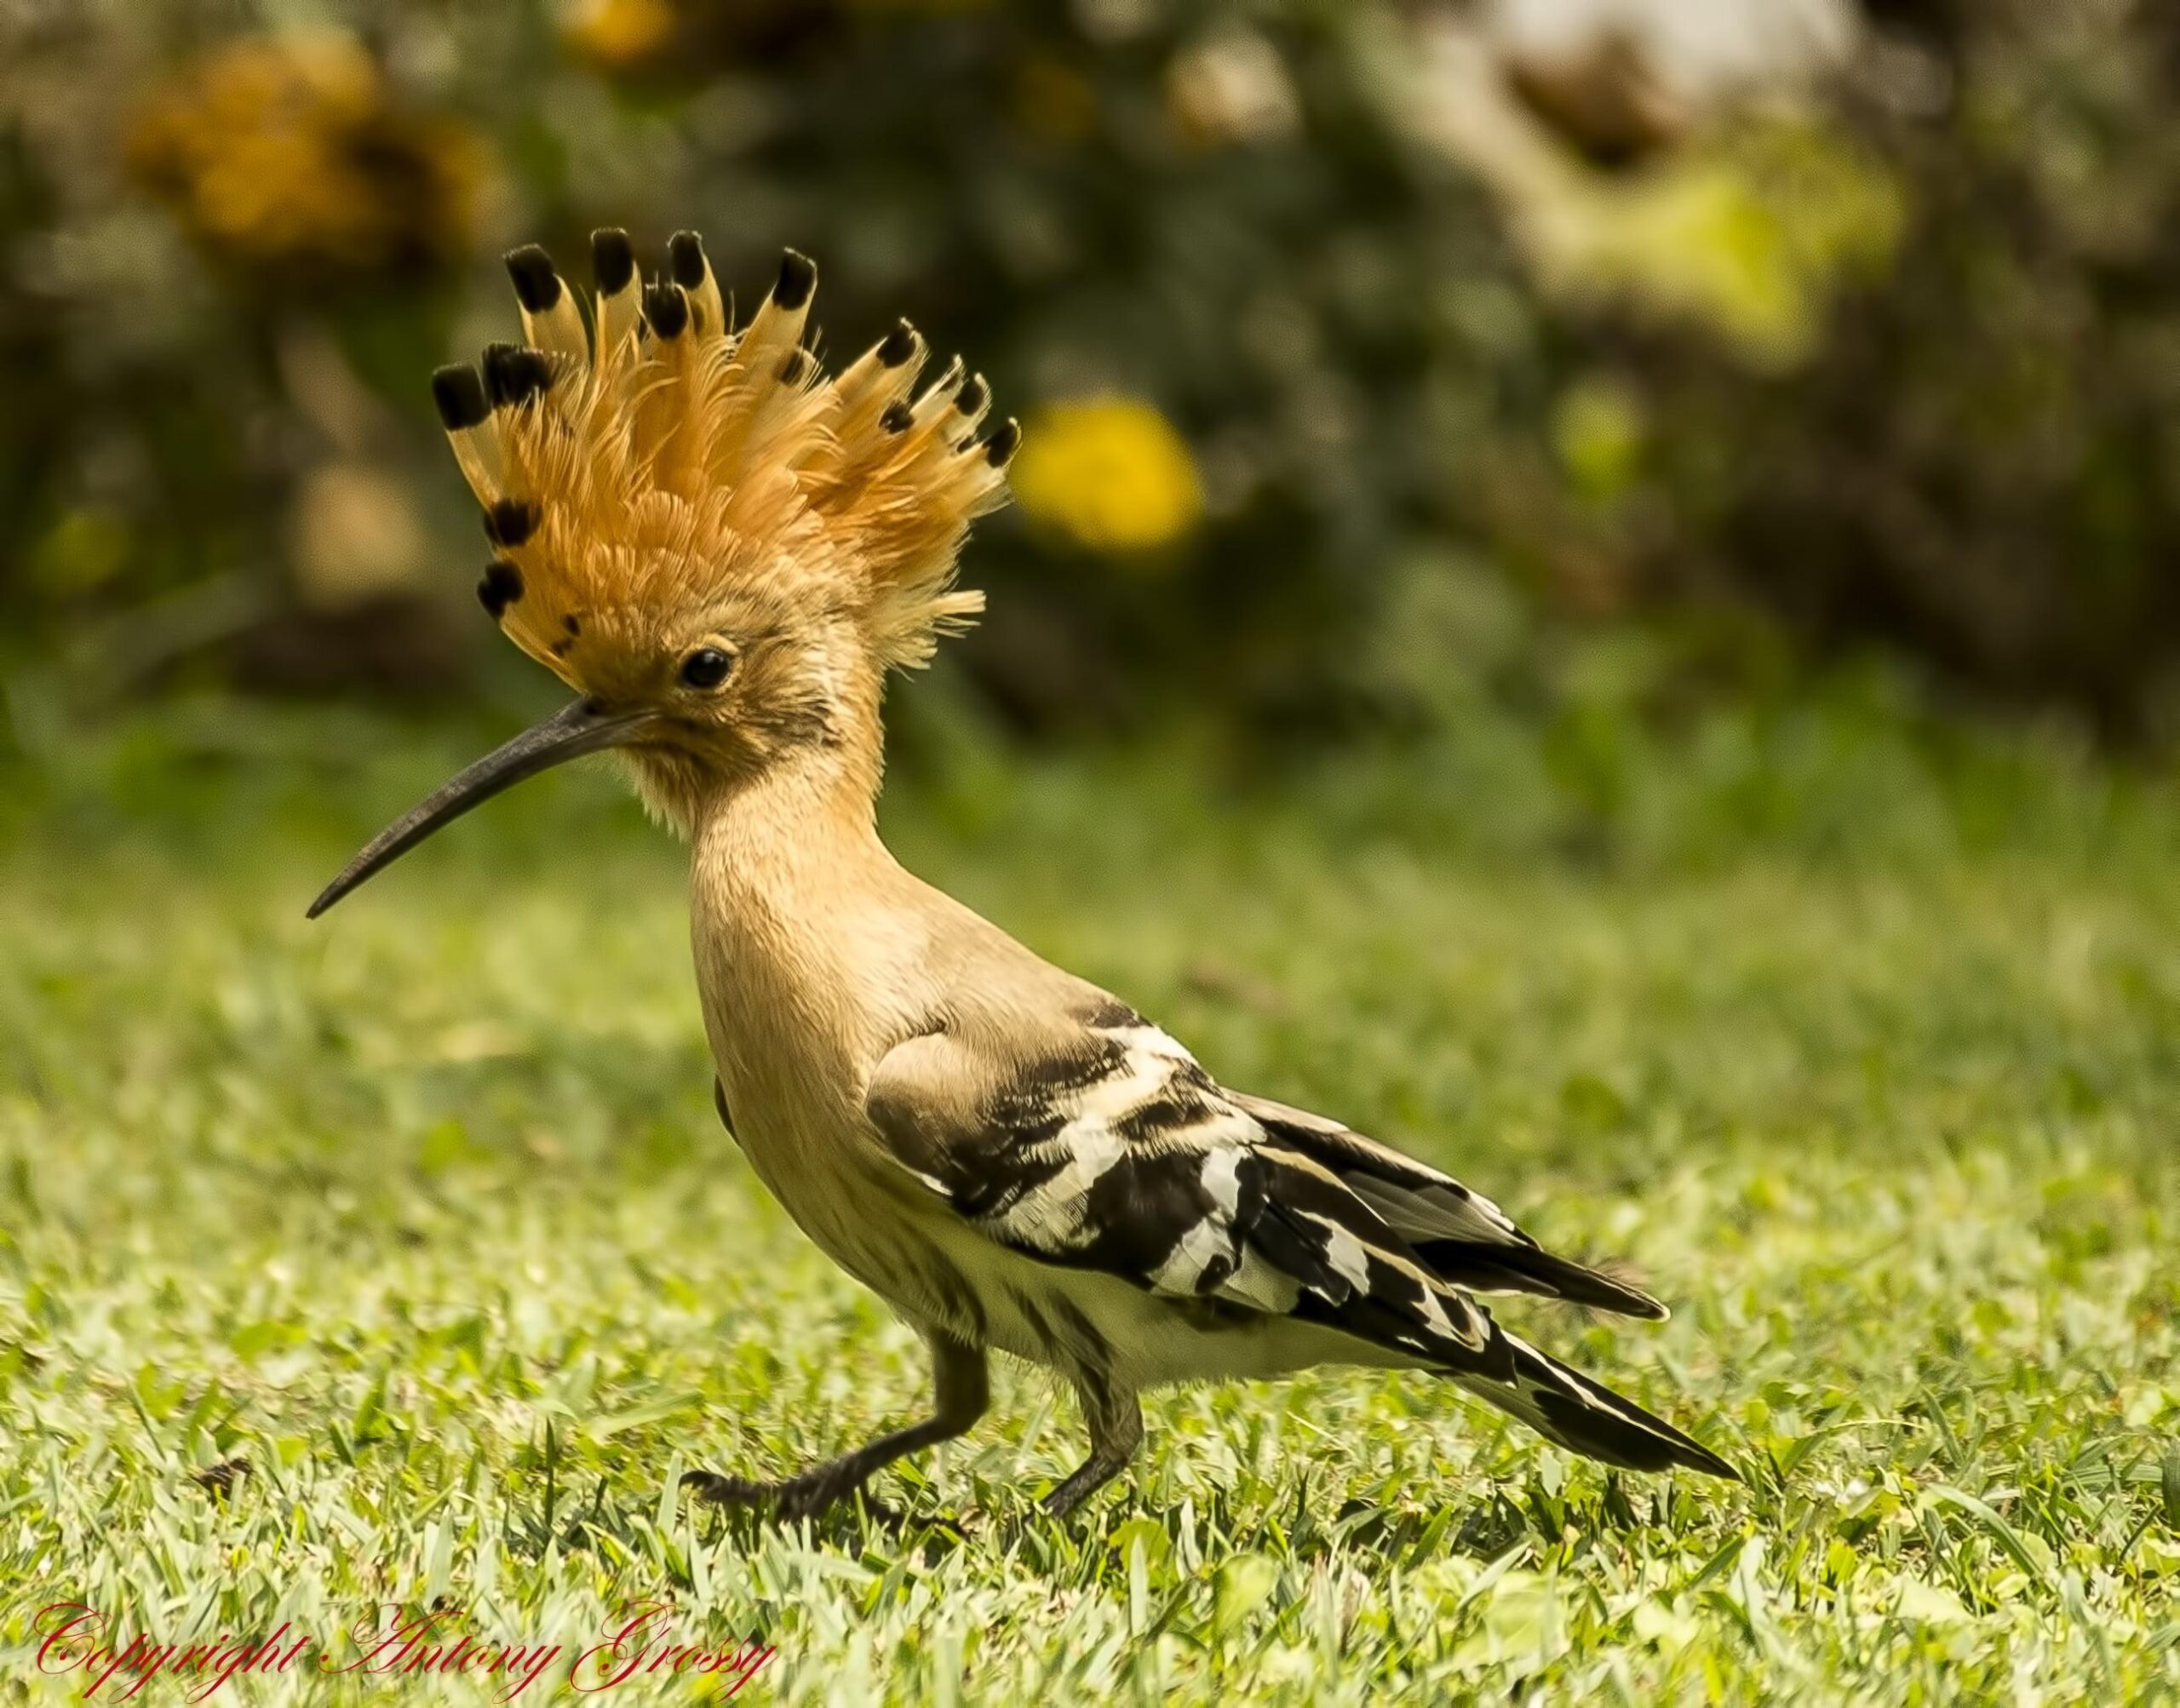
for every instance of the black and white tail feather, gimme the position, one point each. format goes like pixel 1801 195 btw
pixel 1120 1156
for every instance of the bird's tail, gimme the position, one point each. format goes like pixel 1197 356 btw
pixel 1585 1417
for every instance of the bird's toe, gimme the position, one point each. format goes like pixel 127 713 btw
pixel 813 1493
pixel 721 1490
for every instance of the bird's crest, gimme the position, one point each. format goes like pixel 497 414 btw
pixel 658 461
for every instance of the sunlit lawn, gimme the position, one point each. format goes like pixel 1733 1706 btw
pixel 1870 1065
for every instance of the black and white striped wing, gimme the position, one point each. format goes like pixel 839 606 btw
pixel 1119 1154
pixel 1462 1236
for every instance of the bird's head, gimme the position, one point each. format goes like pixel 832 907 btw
pixel 721 548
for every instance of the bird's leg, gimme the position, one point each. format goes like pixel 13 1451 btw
pixel 963 1386
pixel 1115 1421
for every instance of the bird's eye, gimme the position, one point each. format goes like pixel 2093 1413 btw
pixel 705 667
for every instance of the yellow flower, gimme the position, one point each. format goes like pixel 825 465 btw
pixel 291 154
pixel 621 35
pixel 1111 473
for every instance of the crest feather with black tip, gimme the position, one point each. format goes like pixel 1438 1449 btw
pixel 651 457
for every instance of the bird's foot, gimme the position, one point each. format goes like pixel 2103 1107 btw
pixel 810 1496
pixel 1099 1469
pixel 791 1500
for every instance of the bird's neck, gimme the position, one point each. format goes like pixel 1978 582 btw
pixel 805 828
pixel 803 924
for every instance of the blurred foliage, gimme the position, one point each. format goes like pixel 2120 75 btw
pixel 1984 464
pixel 1341 405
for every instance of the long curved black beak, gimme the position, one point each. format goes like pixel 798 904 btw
pixel 585 727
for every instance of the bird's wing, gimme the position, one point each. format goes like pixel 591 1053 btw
pixel 1462 1235
pixel 1108 1148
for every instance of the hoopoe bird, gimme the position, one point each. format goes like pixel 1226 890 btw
pixel 724 553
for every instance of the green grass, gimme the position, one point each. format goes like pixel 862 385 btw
pixel 1863 1047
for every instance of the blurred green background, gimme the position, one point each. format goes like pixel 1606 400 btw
pixel 1376 358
